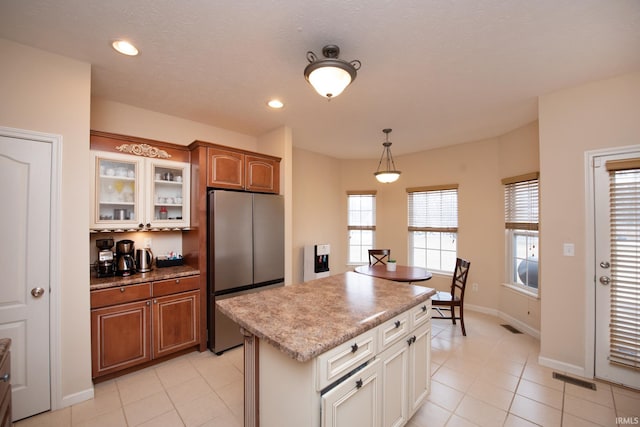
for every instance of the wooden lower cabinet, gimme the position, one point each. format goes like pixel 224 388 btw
pixel 120 337
pixel 128 334
pixel 176 322
pixel 5 390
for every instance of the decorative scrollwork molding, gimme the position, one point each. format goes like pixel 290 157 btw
pixel 144 150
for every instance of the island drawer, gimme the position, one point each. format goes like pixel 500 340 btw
pixel 342 359
pixel 173 286
pixel 392 330
pixel 119 295
pixel 420 314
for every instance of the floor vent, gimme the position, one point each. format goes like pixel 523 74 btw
pixel 574 381
pixel 511 329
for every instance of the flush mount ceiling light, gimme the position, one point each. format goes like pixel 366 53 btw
pixel 125 48
pixel 389 174
pixel 276 104
pixel 330 76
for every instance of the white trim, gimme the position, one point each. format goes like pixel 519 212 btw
pixel 563 367
pixel 55 355
pixel 72 399
pixel 512 320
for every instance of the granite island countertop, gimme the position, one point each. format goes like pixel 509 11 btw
pixel 151 276
pixel 307 319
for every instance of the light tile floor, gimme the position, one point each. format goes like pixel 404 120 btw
pixel 489 378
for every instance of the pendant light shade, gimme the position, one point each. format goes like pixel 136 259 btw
pixel 330 76
pixel 389 173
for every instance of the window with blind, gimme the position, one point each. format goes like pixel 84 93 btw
pixel 361 225
pixel 625 262
pixel 521 196
pixel 433 227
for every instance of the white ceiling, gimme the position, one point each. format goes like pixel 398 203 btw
pixel 438 72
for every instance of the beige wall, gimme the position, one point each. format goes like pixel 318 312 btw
pixel 573 121
pixel 321 183
pixel 49 93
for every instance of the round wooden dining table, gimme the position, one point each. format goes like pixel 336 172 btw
pixel 403 273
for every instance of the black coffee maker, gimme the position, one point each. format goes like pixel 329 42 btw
pixel 125 263
pixel 105 265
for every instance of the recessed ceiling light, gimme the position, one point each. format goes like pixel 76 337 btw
pixel 125 48
pixel 275 104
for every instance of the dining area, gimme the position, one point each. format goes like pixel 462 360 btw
pixel 444 303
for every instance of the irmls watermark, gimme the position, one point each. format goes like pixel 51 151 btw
pixel 627 420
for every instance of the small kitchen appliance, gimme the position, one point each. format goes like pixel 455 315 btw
pixel 144 260
pixel 125 264
pixel 105 265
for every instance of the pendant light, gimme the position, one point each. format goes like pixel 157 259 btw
pixel 330 76
pixel 389 174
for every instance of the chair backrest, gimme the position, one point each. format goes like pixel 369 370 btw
pixel 379 256
pixel 459 281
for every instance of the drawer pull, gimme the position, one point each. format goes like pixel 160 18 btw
pixel 411 340
pixel 359 383
pixel 397 324
pixel 177 281
pixel 424 308
pixel 5 377
pixel 121 289
pixel 354 348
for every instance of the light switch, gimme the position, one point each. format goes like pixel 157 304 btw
pixel 568 249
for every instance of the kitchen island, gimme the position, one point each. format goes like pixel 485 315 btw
pixel 348 349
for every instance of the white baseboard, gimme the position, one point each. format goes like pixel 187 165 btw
pixel 563 367
pixel 521 326
pixel 75 398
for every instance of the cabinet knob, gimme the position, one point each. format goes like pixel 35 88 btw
pixel 177 281
pixel 141 225
pixel 148 225
pixel 359 383
pixel 397 324
pixel 424 308
pixel 411 340
pixel 354 348
pixel 155 301
pixel 148 303
pixel 121 289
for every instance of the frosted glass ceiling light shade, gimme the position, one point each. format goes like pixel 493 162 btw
pixel 330 76
pixel 389 173
pixel 125 48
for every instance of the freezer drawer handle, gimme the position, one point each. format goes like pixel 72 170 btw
pixel 354 348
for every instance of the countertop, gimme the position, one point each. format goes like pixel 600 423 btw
pixel 153 275
pixel 5 345
pixel 307 319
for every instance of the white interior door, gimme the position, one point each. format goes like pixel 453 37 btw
pixel 25 176
pixel 617 269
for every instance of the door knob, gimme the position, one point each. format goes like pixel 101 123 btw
pixel 37 292
pixel 605 280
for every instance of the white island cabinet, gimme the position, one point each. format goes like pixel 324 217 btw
pixel 344 351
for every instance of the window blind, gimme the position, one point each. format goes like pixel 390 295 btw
pixel 625 264
pixel 433 210
pixel 521 202
pixel 362 211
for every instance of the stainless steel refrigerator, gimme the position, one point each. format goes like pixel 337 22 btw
pixel 246 254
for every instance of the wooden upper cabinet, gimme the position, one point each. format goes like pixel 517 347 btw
pixel 242 170
pixel 262 174
pixel 225 169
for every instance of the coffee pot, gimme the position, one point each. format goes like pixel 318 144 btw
pixel 125 264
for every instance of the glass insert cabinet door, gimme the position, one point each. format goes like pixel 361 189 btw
pixel 169 193
pixel 117 191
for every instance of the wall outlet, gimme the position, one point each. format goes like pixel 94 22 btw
pixel 474 287
pixel 147 242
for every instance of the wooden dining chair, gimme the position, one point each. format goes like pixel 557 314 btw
pixel 379 256
pixel 447 301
